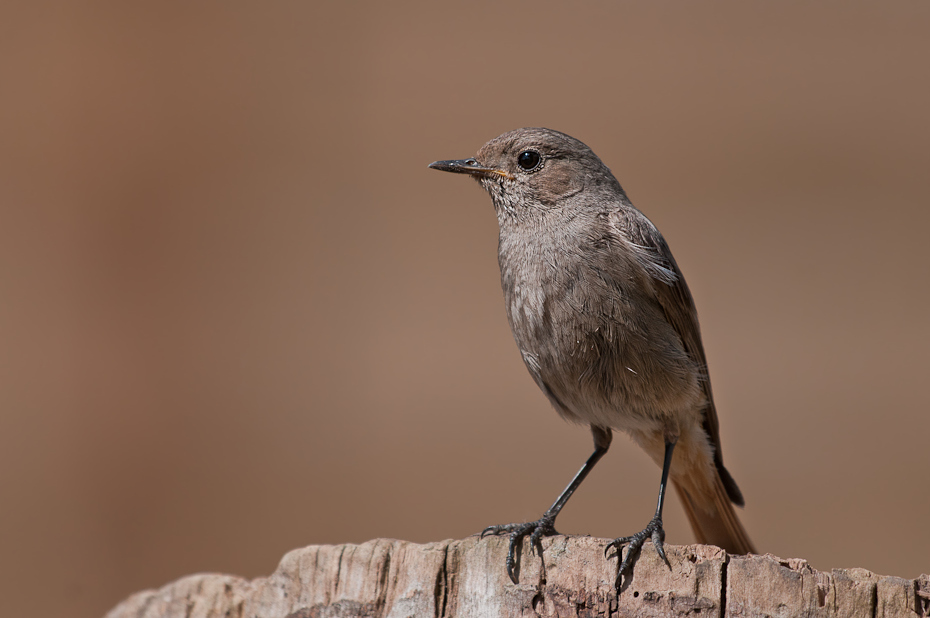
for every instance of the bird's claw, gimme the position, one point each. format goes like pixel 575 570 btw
pixel 534 529
pixel 653 531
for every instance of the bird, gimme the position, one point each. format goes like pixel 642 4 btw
pixel 607 328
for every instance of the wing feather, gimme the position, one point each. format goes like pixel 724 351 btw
pixel 676 301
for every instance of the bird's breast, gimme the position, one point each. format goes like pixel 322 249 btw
pixel 593 337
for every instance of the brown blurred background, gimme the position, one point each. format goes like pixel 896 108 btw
pixel 239 315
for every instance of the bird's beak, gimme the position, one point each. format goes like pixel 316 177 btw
pixel 468 166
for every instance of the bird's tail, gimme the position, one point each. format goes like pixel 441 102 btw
pixel 716 523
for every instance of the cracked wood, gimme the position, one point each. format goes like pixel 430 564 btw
pixel 388 578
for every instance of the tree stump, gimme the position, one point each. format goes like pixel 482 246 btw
pixel 394 579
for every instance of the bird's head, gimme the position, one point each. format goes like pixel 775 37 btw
pixel 533 169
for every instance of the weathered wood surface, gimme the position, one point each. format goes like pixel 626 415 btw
pixel 394 579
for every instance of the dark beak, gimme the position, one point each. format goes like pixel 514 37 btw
pixel 467 166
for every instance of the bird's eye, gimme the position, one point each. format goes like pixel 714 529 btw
pixel 529 160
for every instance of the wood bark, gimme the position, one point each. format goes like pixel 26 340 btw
pixel 395 579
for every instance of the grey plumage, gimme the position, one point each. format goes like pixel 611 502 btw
pixel 604 320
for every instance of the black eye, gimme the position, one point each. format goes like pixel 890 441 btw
pixel 529 160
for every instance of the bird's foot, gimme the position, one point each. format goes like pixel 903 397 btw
pixel 653 530
pixel 545 526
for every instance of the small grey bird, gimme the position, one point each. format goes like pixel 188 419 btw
pixel 607 328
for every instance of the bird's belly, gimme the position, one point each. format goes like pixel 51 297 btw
pixel 601 348
pixel 621 397
pixel 611 376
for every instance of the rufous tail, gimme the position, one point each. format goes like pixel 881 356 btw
pixel 717 523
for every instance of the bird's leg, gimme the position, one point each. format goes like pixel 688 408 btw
pixel 652 530
pixel 545 525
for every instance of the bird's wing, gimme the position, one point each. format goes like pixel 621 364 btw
pixel 675 298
